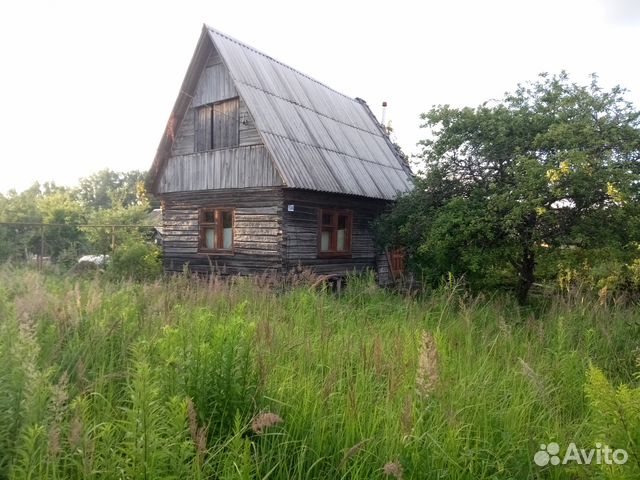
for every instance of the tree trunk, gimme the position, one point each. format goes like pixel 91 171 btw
pixel 526 269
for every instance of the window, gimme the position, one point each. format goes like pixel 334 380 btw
pixel 334 236
pixel 216 230
pixel 217 125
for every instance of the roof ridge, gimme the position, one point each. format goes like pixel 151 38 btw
pixel 249 47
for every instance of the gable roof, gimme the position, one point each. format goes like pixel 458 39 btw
pixel 318 138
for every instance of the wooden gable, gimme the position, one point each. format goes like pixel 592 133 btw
pixel 293 131
pixel 195 163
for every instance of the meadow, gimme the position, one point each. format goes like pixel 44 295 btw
pixel 183 378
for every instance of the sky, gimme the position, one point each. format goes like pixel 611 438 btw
pixel 87 85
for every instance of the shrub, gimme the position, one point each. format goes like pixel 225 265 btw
pixel 136 259
pixel 613 274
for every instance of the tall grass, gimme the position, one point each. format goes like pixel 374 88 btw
pixel 191 379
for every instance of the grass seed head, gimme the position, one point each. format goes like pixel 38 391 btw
pixel 60 396
pixel 201 441
pixel 406 418
pixel 193 420
pixel 198 434
pixel 393 469
pixel 428 376
pixel 353 451
pixel 81 374
pixel 75 432
pixel 531 374
pixel 264 420
pixel 54 440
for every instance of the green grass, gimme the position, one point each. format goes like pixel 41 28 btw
pixel 162 380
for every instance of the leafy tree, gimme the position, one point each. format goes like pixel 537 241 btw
pixel 104 198
pixel 552 166
pixel 109 189
pixel 45 203
pixel 100 238
pixel 114 198
pixel 61 208
pixel 17 241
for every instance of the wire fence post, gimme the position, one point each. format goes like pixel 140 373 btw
pixel 113 238
pixel 41 259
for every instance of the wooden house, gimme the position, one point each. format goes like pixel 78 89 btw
pixel 263 168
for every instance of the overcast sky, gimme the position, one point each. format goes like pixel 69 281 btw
pixel 88 85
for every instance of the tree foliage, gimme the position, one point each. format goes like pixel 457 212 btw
pixel 552 167
pixel 106 197
pixel 109 189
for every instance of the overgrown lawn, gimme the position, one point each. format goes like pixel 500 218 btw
pixel 192 379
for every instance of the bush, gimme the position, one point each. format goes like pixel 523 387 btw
pixel 613 273
pixel 137 260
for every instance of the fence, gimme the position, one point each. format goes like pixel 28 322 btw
pixel 39 238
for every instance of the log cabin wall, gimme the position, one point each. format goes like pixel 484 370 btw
pixel 257 231
pixel 300 243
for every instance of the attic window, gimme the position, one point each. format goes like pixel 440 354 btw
pixel 217 125
pixel 334 233
pixel 216 230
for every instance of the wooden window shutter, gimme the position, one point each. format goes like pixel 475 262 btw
pixel 225 124
pixel 203 128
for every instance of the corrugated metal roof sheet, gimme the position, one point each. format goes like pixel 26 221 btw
pixel 319 139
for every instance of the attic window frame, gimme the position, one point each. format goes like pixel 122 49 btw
pixel 210 139
pixel 217 224
pixel 333 251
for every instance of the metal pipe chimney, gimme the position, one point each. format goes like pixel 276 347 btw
pixel 383 121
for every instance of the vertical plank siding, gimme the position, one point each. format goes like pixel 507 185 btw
pixel 202 129
pixel 241 167
pixel 257 231
pixel 248 133
pixel 214 58
pixel 301 231
pixel 214 85
pixel 185 137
